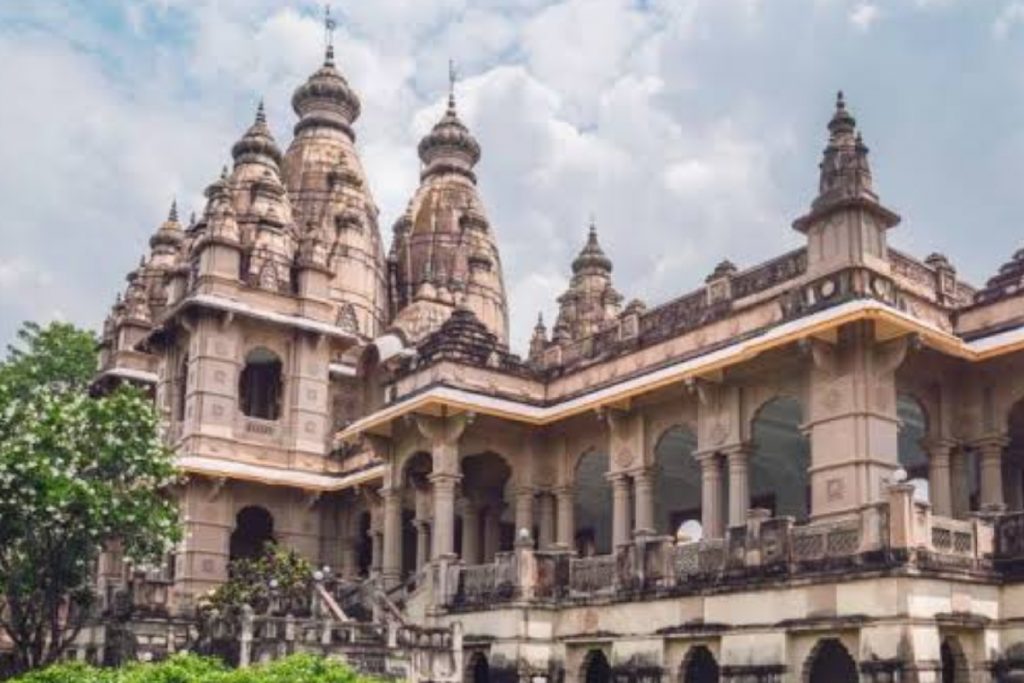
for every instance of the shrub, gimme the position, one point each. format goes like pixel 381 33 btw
pixel 189 668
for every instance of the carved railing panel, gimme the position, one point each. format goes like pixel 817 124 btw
pixel 593 574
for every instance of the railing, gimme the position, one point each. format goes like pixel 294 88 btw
pixel 593 574
pixel 482 583
pixel 820 542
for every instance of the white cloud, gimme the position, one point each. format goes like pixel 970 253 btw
pixel 1009 18
pixel 864 15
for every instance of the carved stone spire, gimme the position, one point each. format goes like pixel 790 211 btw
pixel 168 237
pixel 539 340
pixel 591 300
pixel 258 145
pixel 449 147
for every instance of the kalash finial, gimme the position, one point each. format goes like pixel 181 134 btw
pixel 172 215
pixel 329 26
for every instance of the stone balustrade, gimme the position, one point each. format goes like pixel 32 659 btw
pixel 889 536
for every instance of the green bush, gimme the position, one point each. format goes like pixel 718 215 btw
pixel 193 669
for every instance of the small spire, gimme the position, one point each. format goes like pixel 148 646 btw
pixel 540 320
pixel 329 26
pixel 192 218
pixel 261 113
pixel 840 101
pixel 224 172
pixel 172 215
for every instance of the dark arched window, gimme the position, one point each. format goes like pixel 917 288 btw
pixel 700 666
pixel 779 479
pixel 254 529
pixel 910 454
pixel 832 663
pixel 596 668
pixel 593 505
pixel 259 385
pixel 677 484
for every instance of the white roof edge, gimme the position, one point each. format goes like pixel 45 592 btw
pixel 341 369
pixel 683 367
pixel 279 318
pixel 129 373
pixel 217 467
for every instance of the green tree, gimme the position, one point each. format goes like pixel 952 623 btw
pixel 76 473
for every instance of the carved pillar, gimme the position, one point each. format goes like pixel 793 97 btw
pixel 711 494
pixel 960 494
pixel 492 530
pixel 643 483
pixel 377 543
pixel 939 480
pixel 470 531
pixel 566 537
pixel 990 452
pixel 737 458
pixel 524 512
pixel 422 543
pixel 546 523
pixel 620 510
pixel 392 561
pixel 444 514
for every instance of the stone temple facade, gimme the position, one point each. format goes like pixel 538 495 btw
pixel 811 469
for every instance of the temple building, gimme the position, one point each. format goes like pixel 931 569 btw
pixel 810 469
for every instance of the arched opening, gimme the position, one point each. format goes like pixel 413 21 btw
pixel 596 668
pixel 415 529
pixel 487 526
pixel 677 484
pixel 259 385
pixel 700 666
pixel 479 670
pixel 1013 459
pixel 254 529
pixel 910 454
pixel 779 480
pixel 592 503
pixel 364 546
pixel 954 663
pixel 831 663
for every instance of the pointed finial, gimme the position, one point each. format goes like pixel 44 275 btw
pixel 329 26
pixel 452 76
pixel 261 113
pixel 840 100
pixel 224 172
pixel 540 319
pixel 593 225
pixel 172 215
pixel 192 218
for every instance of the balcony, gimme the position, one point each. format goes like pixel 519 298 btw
pixel 894 536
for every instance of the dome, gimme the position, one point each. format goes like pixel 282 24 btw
pixel 449 147
pixel 257 145
pixel 169 234
pixel 592 256
pixel 326 99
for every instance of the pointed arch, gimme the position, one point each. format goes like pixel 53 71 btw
pixel 913 427
pixel 955 668
pixel 596 668
pixel 592 504
pixel 830 662
pixel 699 666
pixel 677 480
pixel 780 466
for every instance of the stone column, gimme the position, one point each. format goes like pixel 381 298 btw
pixel 711 494
pixel 392 564
pixel 643 483
pixel 422 543
pixel 620 510
pixel 940 485
pixel 546 523
pixel 470 531
pixel 492 530
pixel 990 452
pixel 739 483
pixel 566 523
pixel 377 543
pixel 1012 481
pixel 444 515
pixel 524 512
pixel 960 495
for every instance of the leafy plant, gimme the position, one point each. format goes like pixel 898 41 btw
pixel 192 669
pixel 76 473
pixel 277 577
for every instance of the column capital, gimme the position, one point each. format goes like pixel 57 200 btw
pixel 444 478
pixel 990 442
pixel 934 444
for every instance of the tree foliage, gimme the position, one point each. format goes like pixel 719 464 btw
pixel 76 473
pixel 193 669
pixel 277 576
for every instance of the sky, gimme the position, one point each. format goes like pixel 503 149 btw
pixel 690 130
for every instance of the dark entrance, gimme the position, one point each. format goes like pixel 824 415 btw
pixel 479 670
pixel 596 668
pixel 701 666
pixel 254 528
pixel 831 663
